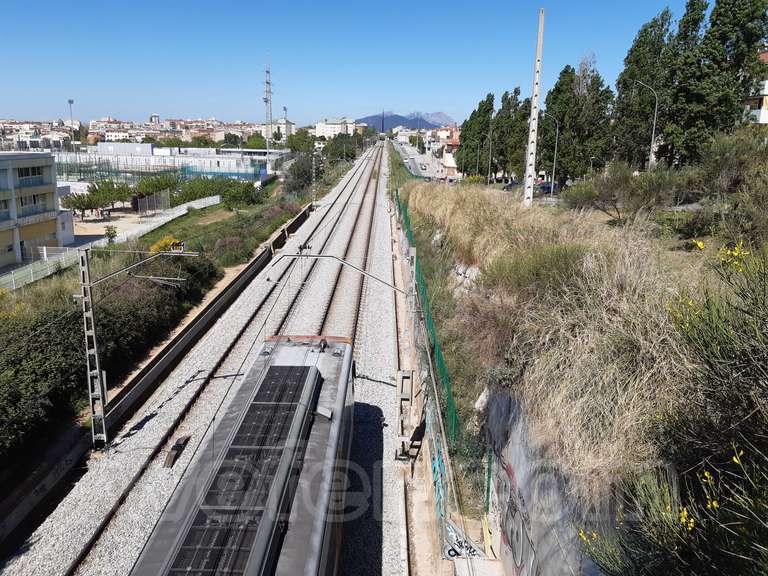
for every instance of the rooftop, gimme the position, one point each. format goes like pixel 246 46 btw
pixel 9 156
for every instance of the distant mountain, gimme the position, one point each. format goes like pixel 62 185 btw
pixel 394 120
pixel 438 118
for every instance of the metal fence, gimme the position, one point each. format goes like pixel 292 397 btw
pixel 442 430
pixel 451 414
pixel 53 260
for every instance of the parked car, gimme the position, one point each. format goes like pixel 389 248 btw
pixel 511 186
pixel 546 188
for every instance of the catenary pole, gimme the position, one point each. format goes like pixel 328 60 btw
pixel 530 154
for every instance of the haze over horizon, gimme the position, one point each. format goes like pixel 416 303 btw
pixel 348 59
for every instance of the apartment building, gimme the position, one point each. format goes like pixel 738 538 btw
pixel 757 105
pixel 29 212
pixel 331 127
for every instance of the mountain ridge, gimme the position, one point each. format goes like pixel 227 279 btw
pixel 414 121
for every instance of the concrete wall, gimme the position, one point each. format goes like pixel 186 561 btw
pixel 538 522
pixel 6 256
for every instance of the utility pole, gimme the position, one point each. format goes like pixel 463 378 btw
pixel 530 154
pixel 268 104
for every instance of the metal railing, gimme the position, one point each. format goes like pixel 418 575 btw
pixel 29 181
pixel 55 259
pixel 34 209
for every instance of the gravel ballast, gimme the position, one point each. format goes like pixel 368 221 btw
pixel 58 540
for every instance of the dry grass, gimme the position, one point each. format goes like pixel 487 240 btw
pixel 587 345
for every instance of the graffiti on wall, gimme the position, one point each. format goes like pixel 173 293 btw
pixel 457 544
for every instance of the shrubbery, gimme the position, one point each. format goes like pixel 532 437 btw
pixel 42 364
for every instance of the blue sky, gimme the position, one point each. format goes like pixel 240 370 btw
pixel 197 58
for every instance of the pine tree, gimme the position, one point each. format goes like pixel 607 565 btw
pixel 635 104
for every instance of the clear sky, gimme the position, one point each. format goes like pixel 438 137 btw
pixel 193 58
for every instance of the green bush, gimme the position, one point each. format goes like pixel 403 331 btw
pixel 713 517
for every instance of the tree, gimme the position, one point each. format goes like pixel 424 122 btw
pixel 737 29
pixel 232 139
pixel 472 153
pixel 685 130
pixel 202 142
pixel 78 203
pixel 299 174
pixel 277 135
pixel 340 147
pixel 582 104
pixel 255 141
pixel 110 233
pixel 510 133
pixel 301 141
pixel 714 71
pixel 151 184
pixel 648 62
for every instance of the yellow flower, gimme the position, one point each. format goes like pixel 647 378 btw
pixel 708 477
pixel 582 535
pixel 699 244
pixel 712 504
pixel 737 458
pixel 595 536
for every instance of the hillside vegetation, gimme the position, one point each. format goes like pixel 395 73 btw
pixel 636 345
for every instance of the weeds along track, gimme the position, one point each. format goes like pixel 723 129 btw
pixel 108 514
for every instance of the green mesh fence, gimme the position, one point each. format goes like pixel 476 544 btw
pixel 450 414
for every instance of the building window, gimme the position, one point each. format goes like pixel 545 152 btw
pixel 30 171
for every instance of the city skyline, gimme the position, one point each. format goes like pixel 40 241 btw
pixel 353 60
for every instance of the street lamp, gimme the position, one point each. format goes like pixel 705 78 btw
pixel 490 151
pixel 651 159
pixel 554 163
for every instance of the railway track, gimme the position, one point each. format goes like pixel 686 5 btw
pixel 281 301
pixel 137 491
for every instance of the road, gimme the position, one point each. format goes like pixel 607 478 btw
pixel 415 160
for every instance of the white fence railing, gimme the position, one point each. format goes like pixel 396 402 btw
pixel 54 259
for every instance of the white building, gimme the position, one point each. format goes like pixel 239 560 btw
pixel 29 206
pixel 757 105
pixel 333 126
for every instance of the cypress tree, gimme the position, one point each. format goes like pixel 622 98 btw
pixel 635 105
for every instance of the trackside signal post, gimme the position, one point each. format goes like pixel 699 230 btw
pixel 530 154
pixel 96 378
